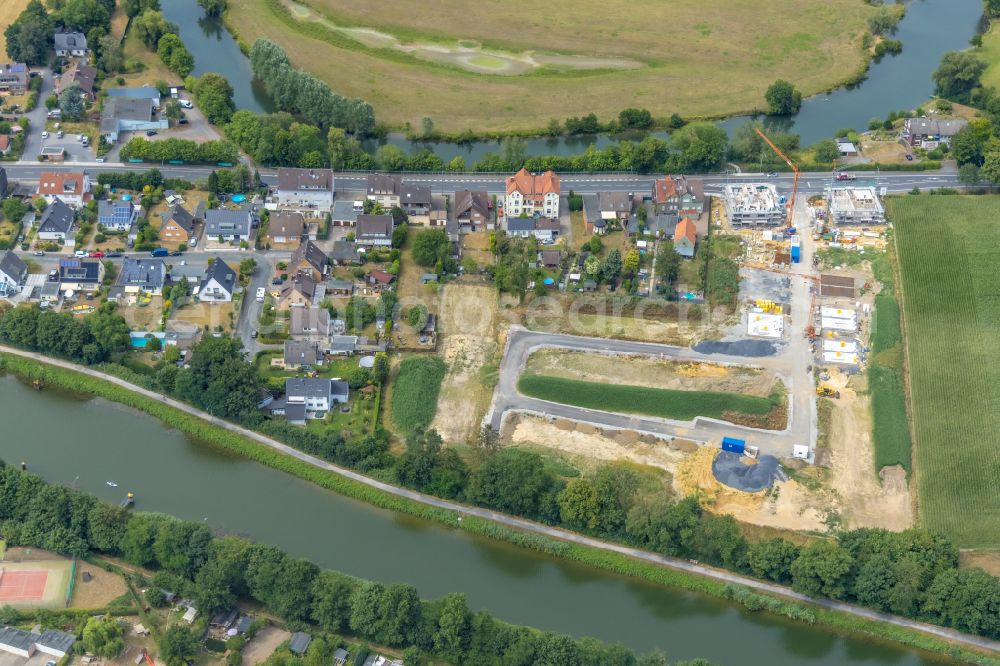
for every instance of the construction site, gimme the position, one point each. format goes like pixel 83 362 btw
pixel 754 205
pixel 858 206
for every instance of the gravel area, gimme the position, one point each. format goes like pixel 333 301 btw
pixel 737 347
pixel 730 469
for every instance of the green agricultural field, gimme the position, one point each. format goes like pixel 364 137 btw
pixel 492 65
pixel 949 249
pixel 664 403
pixel 415 392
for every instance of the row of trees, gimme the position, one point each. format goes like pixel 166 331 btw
pixel 100 336
pixel 218 572
pixel 184 150
pixel 301 93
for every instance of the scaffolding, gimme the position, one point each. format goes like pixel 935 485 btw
pixel 753 204
pixel 855 206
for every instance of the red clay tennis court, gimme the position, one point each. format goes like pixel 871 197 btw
pixel 22 586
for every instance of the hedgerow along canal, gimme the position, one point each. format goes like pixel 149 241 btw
pixel 87 442
pixel 929 29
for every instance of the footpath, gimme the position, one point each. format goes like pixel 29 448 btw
pixel 524 524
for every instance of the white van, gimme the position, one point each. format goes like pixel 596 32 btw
pixel 260 294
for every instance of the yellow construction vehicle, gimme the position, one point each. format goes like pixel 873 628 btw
pixel 827 392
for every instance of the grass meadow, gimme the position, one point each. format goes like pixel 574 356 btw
pixel 415 392
pixel 699 57
pixel 663 403
pixel 948 249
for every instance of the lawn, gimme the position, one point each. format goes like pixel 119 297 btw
pixel 697 58
pixel 415 392
pixel 664 403
pixel 951 315
pixel 155 70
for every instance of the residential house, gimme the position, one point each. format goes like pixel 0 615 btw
pixel 374 230
pixel 929 132
pixel 80 275
pixel 285 227
pixel 529 193
pixel 542 228
pixel 218 284
pixel 72 187
pixel 310 260
pixel 384 189
pixel 13 271
pixel 550 258
pixel 592 218
pixel 70 44
pixel 177 225
pixel 228 225
pixel 57 222
pixel 296 292
pixel 129 114
pixel 309 191
pixel 380 280
pixel 437 218
pixel 14 78
pixel 679 195
pixel 318 396
pixel 616 207
pixel 345 253
pixel 343 345
pixel 139 276
pixel 80 74
pixel 312 323
pixel 5 143
pixel 299 642
pixel 118 215
pixel 415 200
pixel 144 92
pixel 345 213
pixel 302 354
pixel 685 238
pixel 472 209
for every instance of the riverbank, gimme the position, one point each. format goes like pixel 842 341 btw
pixel 602 555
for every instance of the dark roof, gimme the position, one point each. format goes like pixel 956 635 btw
pixel 592 209
pixel 520 224
pixel 302 352
pixel 69 41
pixel 225 618
pixel 415 195
pixel 57 218
pixel 551 257
pixel 383 183
pixel 303 283
pixel 79 270
pixel 181 216
pixel 345 251
pixel 310 321
pixel 467 201
pixel 146 273
pixel 17 638
pixel 12 266
pixel 227 222
pixel 344 211
pixel 82 75
pixel 305 179
pixel 115 213
pixel 313 388
pixel 148 92
pixel 300 642
pixel 56 640
pixel 374 225
pixel 619 202
pixel 293 412
pixel 311 254
pixel 286 224
pixel 222 273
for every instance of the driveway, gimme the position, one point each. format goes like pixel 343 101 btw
pixel 37 117
pixel 198 129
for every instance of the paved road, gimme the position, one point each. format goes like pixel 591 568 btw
pixel 811 183
pixel 527 525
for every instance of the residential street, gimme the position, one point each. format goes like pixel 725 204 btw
pixel 521 523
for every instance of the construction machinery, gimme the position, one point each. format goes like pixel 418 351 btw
pixel 791 165
pixel 827 392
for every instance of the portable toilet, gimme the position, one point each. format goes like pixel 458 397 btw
pixel 734 445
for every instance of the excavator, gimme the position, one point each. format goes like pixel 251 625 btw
pixel 827 392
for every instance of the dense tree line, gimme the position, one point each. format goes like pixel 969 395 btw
pixel 139 180
pixel 97 337
pixel 216 572
pixel 299 92
pixel 184 150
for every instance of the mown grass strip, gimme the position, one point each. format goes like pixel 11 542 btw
pixel 415 392
pixel 891 432
pixel 587 555
pixel 664 403
pixel 887 333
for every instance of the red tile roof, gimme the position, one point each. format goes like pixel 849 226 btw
pixel 685 229
pixel 533 186
pixel 51 182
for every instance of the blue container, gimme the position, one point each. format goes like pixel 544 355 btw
pixel 126 197
pixel 733 445
pixel 796 254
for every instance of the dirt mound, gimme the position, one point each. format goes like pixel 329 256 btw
pixel 731 470
pixel 685 445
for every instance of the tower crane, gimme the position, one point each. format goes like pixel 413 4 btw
pixel 795 170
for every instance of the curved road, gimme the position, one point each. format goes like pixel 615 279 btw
pixel 527 525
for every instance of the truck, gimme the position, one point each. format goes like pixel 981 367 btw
pixel 160 252
pixel 843 175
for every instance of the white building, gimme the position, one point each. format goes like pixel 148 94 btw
pixel 309 191
pixel 318 396
pixel 529 193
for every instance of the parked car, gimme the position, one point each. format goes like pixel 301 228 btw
pixel 151 132
pixel 253 334
pixel 45 135
pixel 60 134
pixel 97 255
pixel 113 254
pixel 39 253
pixel 175 253
pixel 80 253
pixel 53 275
pixel 86 141
pixel 187 104
pixel 909 157
pixel 182 121
pixel 260 294
pixel 160 252
pixel 100 160
pixel 772 174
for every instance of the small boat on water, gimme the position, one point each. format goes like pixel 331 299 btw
pixel 112 484
pixel 129 501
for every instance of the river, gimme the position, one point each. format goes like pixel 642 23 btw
pixel 929 29
pixel 86 442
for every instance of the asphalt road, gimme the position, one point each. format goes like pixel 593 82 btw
pixel 523 524
pixel 810 183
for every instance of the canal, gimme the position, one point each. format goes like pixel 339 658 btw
pixel 929 29
pixel 87 442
